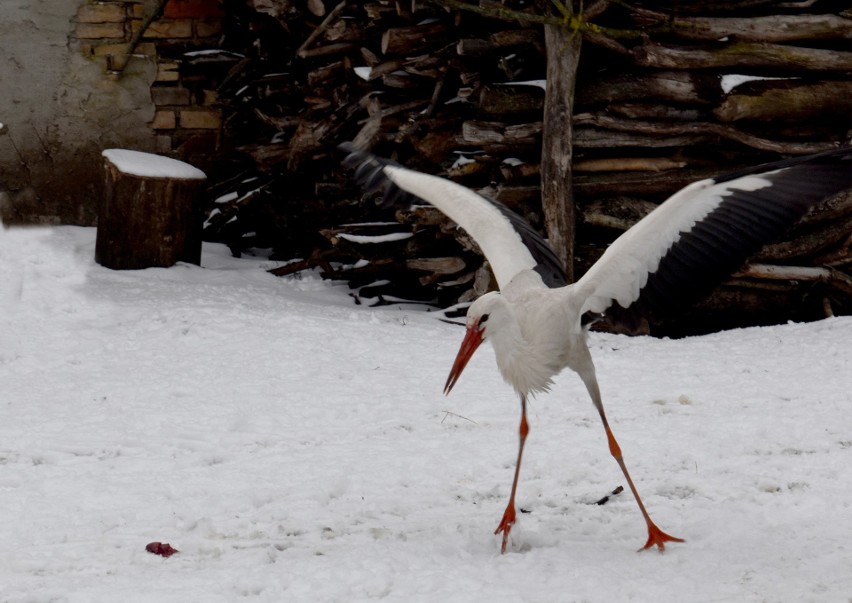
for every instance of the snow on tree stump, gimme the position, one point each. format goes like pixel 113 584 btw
pixel 150 213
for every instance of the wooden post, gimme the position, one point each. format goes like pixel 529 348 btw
pixel 557 194
pixel 150 213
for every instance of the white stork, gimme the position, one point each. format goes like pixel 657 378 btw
pixel 537 323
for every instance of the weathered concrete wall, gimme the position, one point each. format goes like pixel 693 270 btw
pixel 61 110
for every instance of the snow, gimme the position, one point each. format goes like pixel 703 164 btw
pixel 732 80
pixel 148 165
pixel 227 197
pixel 363 72
pixel 461 161
pixel 296 447
pixel 215 52
pixel 370 239
pixel 535 83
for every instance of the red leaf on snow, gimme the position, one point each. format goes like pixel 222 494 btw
pixel 158 548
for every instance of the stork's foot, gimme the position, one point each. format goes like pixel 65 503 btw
pixel 506 525
pixel 657 537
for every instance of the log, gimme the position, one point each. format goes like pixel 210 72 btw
pixel 151 211
pixel 301 51
pixel 627 164
pixel 413 39
pixel 834 278
pixel 655 111
pixel 619 213
pixel 796 102
pixel 480 132
pixel 769 28
pixel 590 137
pixel 516 171
pixel 637 184
pixel 327 74
pixel 497 42
pixel 657 128
pixel 667 86
pixel 439 266
pixel 516 198
pixel 743 55
pixel 327 50
pixel 808 244
pixel 510 99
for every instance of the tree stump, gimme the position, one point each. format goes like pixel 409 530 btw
pixel 150 213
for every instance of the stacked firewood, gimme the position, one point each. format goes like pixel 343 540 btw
pixel 457 89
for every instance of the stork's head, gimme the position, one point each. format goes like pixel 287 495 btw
pixel 484 316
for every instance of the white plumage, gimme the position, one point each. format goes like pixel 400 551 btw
pixel 538 325
pixel 500 243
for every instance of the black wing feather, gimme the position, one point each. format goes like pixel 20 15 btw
pixel 737 228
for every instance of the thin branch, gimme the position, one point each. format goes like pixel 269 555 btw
pixel 447 413
pixel 119 66
pixel 301 51
pixel 571 21
pixel 565 11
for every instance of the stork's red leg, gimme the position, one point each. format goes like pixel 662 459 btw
pixel 655 535
pixel 509 515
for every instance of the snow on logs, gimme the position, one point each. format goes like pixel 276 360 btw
pixel 150 213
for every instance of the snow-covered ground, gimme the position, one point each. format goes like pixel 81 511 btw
pixel 296 447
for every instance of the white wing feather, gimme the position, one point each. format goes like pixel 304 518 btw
pixel 492 231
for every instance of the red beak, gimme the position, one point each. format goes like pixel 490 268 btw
pixel 471 341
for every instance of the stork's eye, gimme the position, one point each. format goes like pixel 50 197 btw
pixel 483 319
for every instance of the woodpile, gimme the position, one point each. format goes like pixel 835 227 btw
pixel 662 99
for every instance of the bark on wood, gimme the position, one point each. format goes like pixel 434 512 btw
pixel 557 192
pixel 663 129
pixel 146 222
pixel 450 265
pixel 514 172
pixel 632 184
pixel 301 51
pixel 809 243
pixel 770 28
pixel 586 137
pixel 497 42
pixel 820 101
pixel 414 39
pixel 655 111
pixel 508 100
pixel 627 164
pixel 619 213
pixel 798 273
pixel 667 86
pixel 743 55
pixel 486 132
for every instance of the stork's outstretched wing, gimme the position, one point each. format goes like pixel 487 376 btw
pixel 704 232
pixel 509 243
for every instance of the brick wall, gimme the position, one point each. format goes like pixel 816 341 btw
pixel 185 116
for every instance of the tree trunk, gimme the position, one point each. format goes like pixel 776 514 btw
pixel 557 197
pixel 151 212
